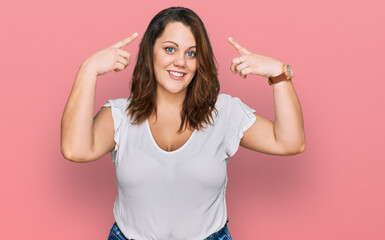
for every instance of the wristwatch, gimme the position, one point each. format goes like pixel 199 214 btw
pixel 287 74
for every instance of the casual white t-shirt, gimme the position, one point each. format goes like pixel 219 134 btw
pixel 180 194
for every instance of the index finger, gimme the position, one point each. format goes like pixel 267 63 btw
pixel 126 41
pixel 242 50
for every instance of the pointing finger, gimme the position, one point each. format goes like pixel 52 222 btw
pixel 126 41
pixel 242 50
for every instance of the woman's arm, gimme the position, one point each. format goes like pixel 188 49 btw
pixel 286 135
pixel 77 120
pixel 288 125
pixel 83 137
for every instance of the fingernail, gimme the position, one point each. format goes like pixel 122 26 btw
pixel 136 34
pixel 230 38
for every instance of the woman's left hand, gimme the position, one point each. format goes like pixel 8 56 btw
pixel 252 63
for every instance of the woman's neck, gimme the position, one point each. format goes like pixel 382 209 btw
pixel 170 101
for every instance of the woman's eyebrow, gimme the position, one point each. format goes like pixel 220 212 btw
pixel 177 44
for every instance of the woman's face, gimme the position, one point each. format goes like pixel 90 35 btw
pixel 175 58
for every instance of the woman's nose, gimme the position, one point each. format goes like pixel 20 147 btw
pixel 180 60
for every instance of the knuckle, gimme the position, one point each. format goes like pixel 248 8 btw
pixel 125 54
pixel 113 51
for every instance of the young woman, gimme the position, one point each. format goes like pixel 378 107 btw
pixel 171 139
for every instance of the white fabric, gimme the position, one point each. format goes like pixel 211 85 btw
pixel 180 194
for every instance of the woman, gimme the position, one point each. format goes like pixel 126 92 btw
pixel 171 139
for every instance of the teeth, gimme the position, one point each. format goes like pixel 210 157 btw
pixel 176 74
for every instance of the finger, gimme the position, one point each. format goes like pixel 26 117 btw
pixel 238 60
pixel 123 53
pixel 241 66
pixel 126 41
pixel 118 67
pixel 235 62
pixel 242 50
pixel 245 72
pixel 233 68
pixel 122 60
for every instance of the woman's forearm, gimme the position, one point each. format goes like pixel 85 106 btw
pixel 77 119
pixel 288 125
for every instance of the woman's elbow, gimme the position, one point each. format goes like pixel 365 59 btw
pixel 70 156
pixel 294 149
pixel 302 148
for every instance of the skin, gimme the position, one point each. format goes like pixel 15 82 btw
pixel 286 135
pixel 85 138
pixel 174 50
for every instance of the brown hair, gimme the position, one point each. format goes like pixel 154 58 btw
pixel 203 89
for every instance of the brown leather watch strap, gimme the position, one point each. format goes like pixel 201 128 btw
pixel 279 78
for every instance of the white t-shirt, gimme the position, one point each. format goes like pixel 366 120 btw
pixel 180 194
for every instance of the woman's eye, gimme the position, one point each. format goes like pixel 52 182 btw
pixel 170 49
pixel 192 54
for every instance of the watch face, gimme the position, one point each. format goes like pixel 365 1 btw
pixel 289 71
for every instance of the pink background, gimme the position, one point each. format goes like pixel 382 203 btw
pixel 334 190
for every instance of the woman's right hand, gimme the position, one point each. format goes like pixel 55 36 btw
pixel 109 58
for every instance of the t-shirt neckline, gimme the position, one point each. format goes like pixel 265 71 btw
pixel 159 148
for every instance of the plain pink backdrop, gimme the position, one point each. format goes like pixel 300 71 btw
pixel 334 190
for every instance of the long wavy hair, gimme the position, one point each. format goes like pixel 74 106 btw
pixel 203 90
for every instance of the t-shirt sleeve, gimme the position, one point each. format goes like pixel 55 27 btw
pixel 118 107
pixel 240 117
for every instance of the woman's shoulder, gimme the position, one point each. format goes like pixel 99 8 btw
pixel 234 104
pixel 118 106
pixel 227 99
pixel 224 99
pixel 121 103
pixel 223 103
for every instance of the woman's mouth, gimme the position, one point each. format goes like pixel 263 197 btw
pixel 176 75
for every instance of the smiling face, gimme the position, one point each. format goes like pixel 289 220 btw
pixel 175 58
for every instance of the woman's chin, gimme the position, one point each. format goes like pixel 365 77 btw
pixel 174 89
